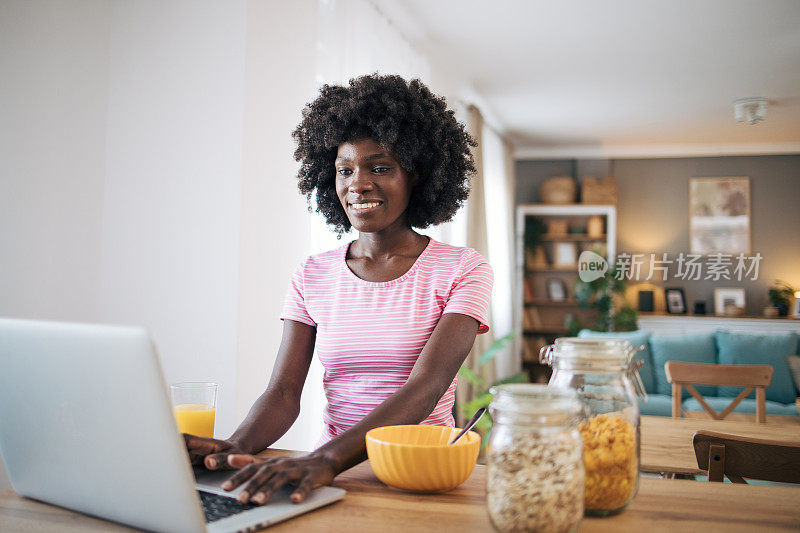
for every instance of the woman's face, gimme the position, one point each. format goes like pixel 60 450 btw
pixel 372 186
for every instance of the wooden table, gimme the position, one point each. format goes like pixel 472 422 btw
pixel 662 505
pixel 772 420
pixel 667 442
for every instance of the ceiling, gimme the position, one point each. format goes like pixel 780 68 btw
pixel 616 77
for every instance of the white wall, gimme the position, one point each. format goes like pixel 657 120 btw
pixel 53 59
pixel 275 223
pixel 171 208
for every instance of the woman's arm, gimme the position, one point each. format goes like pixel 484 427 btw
pixel 275 410
pixel 443 354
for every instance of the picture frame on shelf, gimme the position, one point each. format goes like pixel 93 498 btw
pixel 796 309
pixel 646 301
pixel 556 290
pixel 565 254
pixel 676 301
pixel 729 301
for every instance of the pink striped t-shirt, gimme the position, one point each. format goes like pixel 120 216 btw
pixel 369 334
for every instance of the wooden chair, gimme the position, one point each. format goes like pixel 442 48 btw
pixel 741 457
pixel 750 377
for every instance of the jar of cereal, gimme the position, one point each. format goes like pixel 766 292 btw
pixel 605 373
pixel 534 459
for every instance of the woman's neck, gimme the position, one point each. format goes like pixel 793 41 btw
pixel 376 246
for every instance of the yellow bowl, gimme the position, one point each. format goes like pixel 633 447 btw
pixel 418 458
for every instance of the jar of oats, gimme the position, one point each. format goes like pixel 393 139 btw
pixel 534 459
pixel 605 373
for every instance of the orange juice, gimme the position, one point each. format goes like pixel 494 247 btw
pixel 195 419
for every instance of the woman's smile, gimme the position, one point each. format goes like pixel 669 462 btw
pixel 364 208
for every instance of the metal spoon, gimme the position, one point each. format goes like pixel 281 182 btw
pixel 472 422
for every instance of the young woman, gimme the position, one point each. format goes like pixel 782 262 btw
pixel 394 313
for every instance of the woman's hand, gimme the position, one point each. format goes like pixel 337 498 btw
pixel 213 453
pixel 262 477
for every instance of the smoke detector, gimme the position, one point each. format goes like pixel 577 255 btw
pixel 751 110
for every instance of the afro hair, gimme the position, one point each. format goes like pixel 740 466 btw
pixel 407 118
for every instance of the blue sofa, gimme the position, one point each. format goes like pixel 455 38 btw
pixel 721 347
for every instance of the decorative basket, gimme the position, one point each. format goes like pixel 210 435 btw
pixel 558 190
pixel 594 191
pixel 557 227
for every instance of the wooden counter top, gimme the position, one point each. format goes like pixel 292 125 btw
pixel 662 505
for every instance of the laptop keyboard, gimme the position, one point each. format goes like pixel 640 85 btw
pixel 217 507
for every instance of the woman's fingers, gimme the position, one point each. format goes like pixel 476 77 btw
pixel 238 460
pixel 217 461
pixel 206 451
pixel 203 444
pixel 261 478
pixel 303 488
pixel 241 476
pixel 263 475
pixel 262 492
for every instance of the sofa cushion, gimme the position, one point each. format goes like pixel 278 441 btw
pixel 656 405
pixel 745 406
pixel 698 348
pixel 636 338
pixel 794 366
pixel 738 349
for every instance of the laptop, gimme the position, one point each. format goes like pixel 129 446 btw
pixel 86 423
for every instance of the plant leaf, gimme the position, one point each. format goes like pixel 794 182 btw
pixel 484 424
pixel 496 347
pixel 467 373
pixel 484 441
pixel 481 401
pixel 520 377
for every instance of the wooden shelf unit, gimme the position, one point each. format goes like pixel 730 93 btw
pixel 546 270
pixel 547 321
pixel 577 237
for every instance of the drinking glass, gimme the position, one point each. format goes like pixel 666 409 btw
pixel 195 405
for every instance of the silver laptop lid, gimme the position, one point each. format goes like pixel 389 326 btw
pixel 85 423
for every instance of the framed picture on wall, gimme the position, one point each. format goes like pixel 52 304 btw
pixel 676 301
pixel 719 215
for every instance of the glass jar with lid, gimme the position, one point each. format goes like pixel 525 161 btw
pixel 605 373
pixel 534 459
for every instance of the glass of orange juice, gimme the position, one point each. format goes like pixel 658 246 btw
pixel 195 404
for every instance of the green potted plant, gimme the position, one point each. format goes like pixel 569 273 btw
pixel 534 229
pixel 607 296
pixel 482 395
pixel 780 296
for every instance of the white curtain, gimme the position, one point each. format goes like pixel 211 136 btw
pixel 498 183
pixel 477 239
